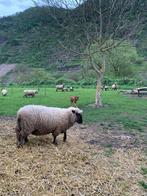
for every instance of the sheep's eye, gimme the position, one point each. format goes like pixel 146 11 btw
pixel 73 111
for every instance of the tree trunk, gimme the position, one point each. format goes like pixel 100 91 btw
pixel 100 70
pixel 98 101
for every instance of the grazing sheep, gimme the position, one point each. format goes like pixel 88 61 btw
pixel 105 88
pixel 30 93
pixel 114 86
pixel 65 89
pixel 60 87
pixel 42 120
pixel 74 100
pixel 4 92
pixel 71 88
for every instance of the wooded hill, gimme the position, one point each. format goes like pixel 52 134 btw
pixel 32 38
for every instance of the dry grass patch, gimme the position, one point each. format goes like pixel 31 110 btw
pixel 72 168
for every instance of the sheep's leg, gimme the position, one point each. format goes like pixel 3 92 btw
pixel 54 140
pixel 21 139
pixel 75 105
pixel 55 134
pixel 18 137
pixel 26 139
pixel 64 137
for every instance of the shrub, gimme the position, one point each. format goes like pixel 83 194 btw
pixel 87 81
pixel 123 81
pixel 65 81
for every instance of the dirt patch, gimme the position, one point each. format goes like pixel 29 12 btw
pixel 6 68
pixel 74 168
pixel 114 136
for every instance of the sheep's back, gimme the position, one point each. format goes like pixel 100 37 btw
pixel 46 118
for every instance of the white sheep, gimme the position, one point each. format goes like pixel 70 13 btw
pixel 30 93
pixel 60 87
pixel 4 92
pixel 42 120
pixel 114 86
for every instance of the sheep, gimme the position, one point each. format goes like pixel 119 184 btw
pixel 114 86
pixel 4 92
pixel 60 87
pixel 30 93
pixel 105 87
pixel 71 88
pixel 42 120
pixel 74 100
pixel 65 89
pixel 68 89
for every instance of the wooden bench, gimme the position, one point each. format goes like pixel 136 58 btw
pixel 142 91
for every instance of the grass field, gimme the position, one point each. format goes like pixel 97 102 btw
pixel 129 111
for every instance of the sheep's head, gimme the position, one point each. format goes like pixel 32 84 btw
pixel 79 118
pixel 78 113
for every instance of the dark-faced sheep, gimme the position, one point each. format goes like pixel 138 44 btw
pixel 42 120
pixel 114 86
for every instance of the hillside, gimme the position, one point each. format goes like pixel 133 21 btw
pixel 29 37
pixel 32 38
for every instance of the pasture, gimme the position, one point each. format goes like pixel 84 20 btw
pixel 104 156
pixel 128 111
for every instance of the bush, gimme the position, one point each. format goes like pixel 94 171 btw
pixel 128 81
pixel 86 82
pixel 65 81
pixel 46 82
pixel 108 81
pixel 123 81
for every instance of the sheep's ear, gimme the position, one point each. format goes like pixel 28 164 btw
pixel 81 111
pixel 73 111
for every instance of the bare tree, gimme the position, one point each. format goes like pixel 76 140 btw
pixel 95 27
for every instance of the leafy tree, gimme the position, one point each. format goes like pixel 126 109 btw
pixel 122 58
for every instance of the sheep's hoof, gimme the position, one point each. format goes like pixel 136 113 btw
pixel 19 145
pixel 26 140
pixel 55 143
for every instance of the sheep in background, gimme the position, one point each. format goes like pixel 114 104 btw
pixel 42 120
pixel 68 89
pixel 114 86
pixel 30 93
pixel 74 100
pixel 105 87
pixel 65 89
pixel 71 88
pixel 60 87
pixel 4 92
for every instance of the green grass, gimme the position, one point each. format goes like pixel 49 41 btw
pixel 144 170
pixel 131 112
pixel 143 184
pixel 108 152
pixel 47 96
